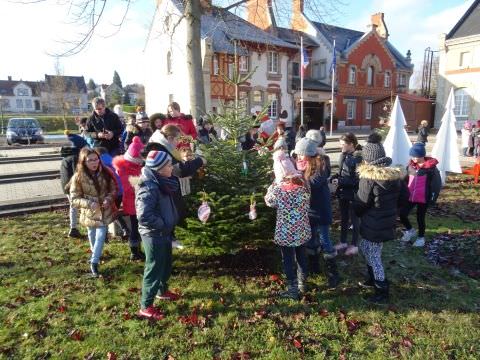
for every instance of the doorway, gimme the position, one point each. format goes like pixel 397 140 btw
pixel 313 114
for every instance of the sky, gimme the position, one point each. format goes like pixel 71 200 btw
pixel 33 33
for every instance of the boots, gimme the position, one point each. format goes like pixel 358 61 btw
pixel 94 270
pixel 292 290
pixel 381 292
pixel 302 283
pixel 369 281
pixel 332 273
pixel 137 253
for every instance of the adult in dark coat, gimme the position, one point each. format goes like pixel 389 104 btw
pixel 423 132
pixel 105 127
pixel 67 169
pixel 381 192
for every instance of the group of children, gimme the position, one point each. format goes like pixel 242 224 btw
pixel 471 139
pixel 371 194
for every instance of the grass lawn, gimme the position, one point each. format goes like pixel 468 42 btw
pixel 50 308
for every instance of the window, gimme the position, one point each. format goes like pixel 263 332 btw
pixel 402 80
pixel 368 109
pixel 273 107
pixel 22 92
pixel 231 70
pixel 215 64
pixel 5 103
pixel 295 69
pixel 350 110
pixel 323 69
pixel 169 62
pixel 387 79
pixel 370 75
pixel 257 96
pixel 243 63
pixel 28 104
pixel 465 59
pixel 19 104
pixel 316 70
pixel 272 62
pixel 352 75
pixel 462 100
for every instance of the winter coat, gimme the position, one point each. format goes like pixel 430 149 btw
pixel 67 167
pixel 424 182
pixel 347 175
pixel 109 121
pixel 126 169
pixel 107 161
pixel 155 207
pixel 320 212
pixel 422 134
pixel 283 166
pixel 249 141
pixel 181 169
pixel 476 137
pixel 466 135
pixel 205 136
pixel 381 192
pixel 132 131
pixel 184 122
pixel 292 203
pixel 84 193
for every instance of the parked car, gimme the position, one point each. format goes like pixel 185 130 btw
pixel 24 130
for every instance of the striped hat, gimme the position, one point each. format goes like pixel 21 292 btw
pixel 157 159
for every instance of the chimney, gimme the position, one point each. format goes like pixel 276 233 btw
pixel 259 14
pixel 298 21
pixel 9 78
pixel 378 25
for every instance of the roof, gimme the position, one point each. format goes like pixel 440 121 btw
pixel 406 97
pixel 71 83
pixel 311 84
pixel 223 27
pixel 6 87
pixel 293 37
pixel 345 38
pixel 469 23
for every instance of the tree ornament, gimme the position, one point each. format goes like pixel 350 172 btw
pixel 252 215
pixel 204 210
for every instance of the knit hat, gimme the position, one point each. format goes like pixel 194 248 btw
pixel 134 151
pixel 418 150
pixel 279 144
pixel 306 147
pixel 142 116
pixel 315 135
pixel 157 159
pixel 77 141
pixel 373 151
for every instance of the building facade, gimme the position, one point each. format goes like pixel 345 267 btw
pixel 20 96
pixel 459 68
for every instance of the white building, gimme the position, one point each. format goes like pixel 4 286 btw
pixel 459 68
pixel 20 96
pixel 223 35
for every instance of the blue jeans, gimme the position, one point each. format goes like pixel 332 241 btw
pixel 96 236
pixel 294 261
pixel 320 240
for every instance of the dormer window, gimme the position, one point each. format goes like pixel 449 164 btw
pixel 243 63
pixel 22 92
pixel 272 62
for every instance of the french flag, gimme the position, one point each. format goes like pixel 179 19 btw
pixel 305 61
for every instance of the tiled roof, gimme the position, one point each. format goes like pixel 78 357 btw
pixel 344 38
pixel 223 27
pixel 407 97
pixel 6 87
pixel 469 23
pixel 293 37
pixel 72 83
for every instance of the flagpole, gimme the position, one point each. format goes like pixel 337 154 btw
pixel 301 79
pixel 332 104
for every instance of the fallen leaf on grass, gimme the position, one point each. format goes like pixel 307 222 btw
pixel 323 313
pixel 62 309
pixel 217 286
pixel 76 335
pixel 342 315
pixel 407 342
pixel 297 343
pixel 191 319
pixel 353 325
pixel 243 355
pixel 133 290
pixel 375 330
pixel 111 356
pixel 126 315
pixel 274 278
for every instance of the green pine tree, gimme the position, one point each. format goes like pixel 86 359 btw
pixel 116 79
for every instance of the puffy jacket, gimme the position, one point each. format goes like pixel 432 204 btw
pixel 347 175
pixel 320 212
pixel 184 122
pixel 155 206
pixel 424 182
pixel 126 169
pixel 67 166
pixel 83 193
pixel 292 203
pixel 132 131
pixel 381 192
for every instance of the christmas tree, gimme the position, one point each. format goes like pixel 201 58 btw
pixel 233 181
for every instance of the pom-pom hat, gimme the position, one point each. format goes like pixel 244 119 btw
pixel 373 151
pixel 134 151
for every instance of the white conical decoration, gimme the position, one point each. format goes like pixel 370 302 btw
pixel 397 143
pixel 445 149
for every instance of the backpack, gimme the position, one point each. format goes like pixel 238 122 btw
pixel 435 186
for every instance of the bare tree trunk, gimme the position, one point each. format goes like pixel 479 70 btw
pixel 193 15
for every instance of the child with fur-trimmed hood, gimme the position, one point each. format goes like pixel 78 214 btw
pixel 381 192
